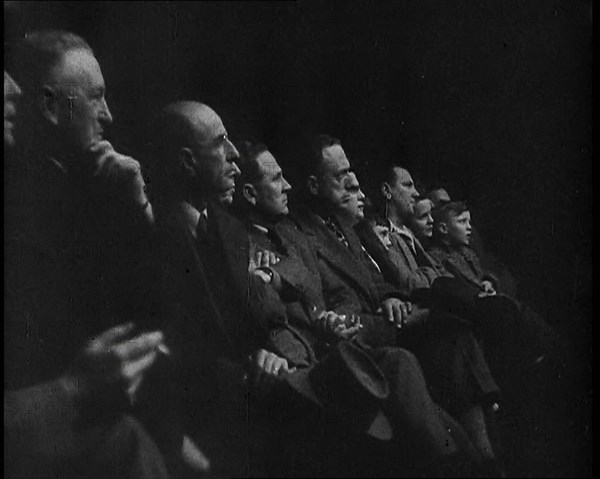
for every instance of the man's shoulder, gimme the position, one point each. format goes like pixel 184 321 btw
pixel 304 220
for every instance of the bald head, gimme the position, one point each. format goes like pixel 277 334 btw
pixel 193 151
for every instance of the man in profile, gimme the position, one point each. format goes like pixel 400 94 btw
pixel 49 398
pixel 216 309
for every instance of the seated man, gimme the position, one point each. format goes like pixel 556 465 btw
pixel 328 220
pixel 293 271
pixel 215 312
pixel 68 417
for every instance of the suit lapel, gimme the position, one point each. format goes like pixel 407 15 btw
pixel 233 239
pixel 341 258
pixel 196 274
pixel 404 250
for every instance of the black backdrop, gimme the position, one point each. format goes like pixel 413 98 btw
pixel 492 99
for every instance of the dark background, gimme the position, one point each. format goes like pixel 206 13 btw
pixel 492 99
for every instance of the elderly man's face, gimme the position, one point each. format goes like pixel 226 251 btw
pixel 403 194
pixel 333 176
pixel 215 156
pixel 82 110
pixel 272 188
pixel 353 204
pixel 421 222
pixel 12 93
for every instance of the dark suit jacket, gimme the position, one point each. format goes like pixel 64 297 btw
pixel 420 277
pixel 216 313
pixel 363 288
pixel 71 255
pixel 72 250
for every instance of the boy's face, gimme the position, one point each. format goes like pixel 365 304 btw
pixel 459 229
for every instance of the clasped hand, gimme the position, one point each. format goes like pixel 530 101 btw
pixel 265 367
pixel 396 311
pixel 335 327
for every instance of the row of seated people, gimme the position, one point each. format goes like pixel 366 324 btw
pixel 204 329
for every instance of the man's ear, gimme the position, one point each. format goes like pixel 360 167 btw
pixel 386 190
pixel 49 104
pixel 312 184
pixel 249 192
pixel 187 162
pixel 442 227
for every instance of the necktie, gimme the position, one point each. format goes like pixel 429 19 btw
pixel 331 226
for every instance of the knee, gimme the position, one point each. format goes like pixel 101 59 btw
pixel 397 360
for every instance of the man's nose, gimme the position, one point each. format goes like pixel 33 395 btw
pixel 105 114
pixel 286 186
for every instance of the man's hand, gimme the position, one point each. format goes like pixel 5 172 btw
pixel 264 259
pixel 396 311
pixel 265 366
pixel 114 361
pixel 104 162
pixel 334 327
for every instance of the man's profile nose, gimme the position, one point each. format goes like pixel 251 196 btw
pixel 105 114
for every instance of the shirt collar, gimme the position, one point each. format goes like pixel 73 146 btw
pixel 191 216
pixel 403 231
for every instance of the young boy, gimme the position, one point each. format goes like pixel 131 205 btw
pixel 451 246
pixel 511 329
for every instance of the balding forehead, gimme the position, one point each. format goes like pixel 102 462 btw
pixel 74 65
pixel 199 118
pixel 402 174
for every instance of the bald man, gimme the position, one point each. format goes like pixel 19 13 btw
pixel 216 310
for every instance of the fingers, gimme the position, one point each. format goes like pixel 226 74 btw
pixel 404 311
pixel 115 334
pixel 279 365
pixel 266 258
pixel 270 362
pixel 260 358
pixel 397 311
pixel 388 311
pixel 349 333
pixel 138 346
pixel 133 369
